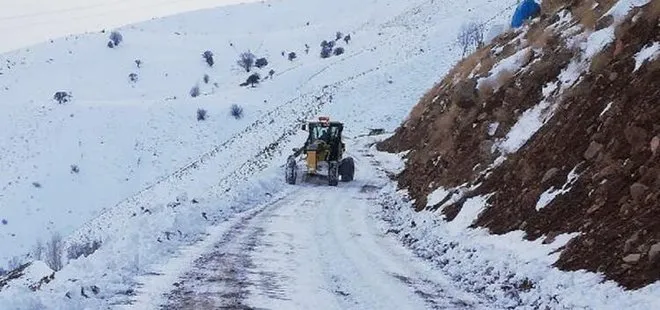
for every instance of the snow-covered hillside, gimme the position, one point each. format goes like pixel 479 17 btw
pixel 128 163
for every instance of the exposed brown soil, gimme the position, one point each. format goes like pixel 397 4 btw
pixel 615 202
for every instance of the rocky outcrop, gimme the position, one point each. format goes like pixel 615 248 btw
pixel 599 124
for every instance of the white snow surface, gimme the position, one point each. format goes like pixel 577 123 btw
pixel 161 190
pixel 549 195
pixel 648 53
pixel 494 265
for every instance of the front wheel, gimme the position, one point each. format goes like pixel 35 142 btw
pixel 347 169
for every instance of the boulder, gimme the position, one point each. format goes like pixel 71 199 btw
pixel 593 150
pixel 637 191
pixel 549 174
pixel 654 252
pixel 632 258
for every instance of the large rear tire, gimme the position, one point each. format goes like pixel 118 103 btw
pixel 347 169
pixel 291 170
pixel 333 174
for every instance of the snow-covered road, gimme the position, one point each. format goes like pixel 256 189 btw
pixel 318 247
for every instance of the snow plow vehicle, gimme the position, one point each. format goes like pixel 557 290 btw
pixel 322 155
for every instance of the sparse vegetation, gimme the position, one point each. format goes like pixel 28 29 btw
pixel 236 111
pixel 77 250
pixel 201 115
pixel 62 97
pixel 116 38
pixel 246 61
pixel 36 184
pixel 206 78
pixel 194 92
pixel 261 62
pixel 133 77
pixel 208 56
pixel 138 63
pixel 347 38
pixel 75 169
pixel 338 51
pixel 338 36
pixel 252 80
pixel 292 56
pixel 54 251
pixel 271 73
pixel 471 36
pixel 326 52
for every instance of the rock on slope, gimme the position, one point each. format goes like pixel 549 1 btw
pixel 557 124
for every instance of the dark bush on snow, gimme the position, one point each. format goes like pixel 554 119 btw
pixel 116 38
pixel 246 61
pixel 271 73
pixel 62 97
pixel 87 248
pixel 138 63
pixel 194 92
pixel 261 62
pixel 252 80
pixel 208 56
pixel 201 114
pixel 133 77
pixel 338 51
pixel 338 36
pixel 347 38
pixel 326 52
pixel 75 169
pixel 292 56
pixel 236 111
pixel 206 78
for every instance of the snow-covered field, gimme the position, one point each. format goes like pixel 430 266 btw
pixel 158 187
pixel 27 22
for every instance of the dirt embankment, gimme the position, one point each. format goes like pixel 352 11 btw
pixel 601 125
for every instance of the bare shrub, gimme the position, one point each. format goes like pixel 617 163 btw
pixel 133 77
pixel 208 57
pixel 62 97
pixel 236 111
pixel 194 92
pixel 75 169
pixel 116 38
pixel 14 263
pixel 338 51
pixel 471 36
pixel 86 248
pixel 292 56
pixel 201 115
pixel 206 79
pixel 54 251
pixel 246 61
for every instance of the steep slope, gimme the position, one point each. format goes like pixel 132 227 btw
pixel 153 180
pixel 551 129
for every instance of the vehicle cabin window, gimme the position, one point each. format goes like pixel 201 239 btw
pixel 323 133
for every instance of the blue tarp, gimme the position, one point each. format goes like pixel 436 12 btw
pixel 525 10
